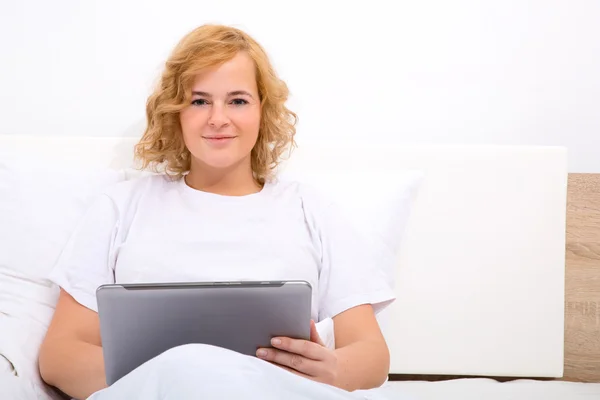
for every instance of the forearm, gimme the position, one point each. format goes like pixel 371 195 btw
pixel 362 365
pixel 74 367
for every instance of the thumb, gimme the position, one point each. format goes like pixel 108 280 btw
pixel 314 335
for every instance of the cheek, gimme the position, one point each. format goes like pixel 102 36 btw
pixel 191 122
pixel 251 124
pixel 188 118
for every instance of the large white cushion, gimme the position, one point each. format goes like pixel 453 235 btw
pixel 376 204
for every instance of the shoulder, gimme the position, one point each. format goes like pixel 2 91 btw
pixel 321 213
pixel 140 185
pixel 312 198
pixel 129 192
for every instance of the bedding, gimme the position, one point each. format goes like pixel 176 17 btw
pixel 179 370
pixel 17 388
pixel 489 389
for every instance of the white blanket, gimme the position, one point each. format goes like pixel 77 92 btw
pixel 17 388
pixel 199 371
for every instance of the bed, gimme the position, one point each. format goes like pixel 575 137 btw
pixel 582 321
pixel 485 309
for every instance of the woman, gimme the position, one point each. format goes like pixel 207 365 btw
pixel 218 126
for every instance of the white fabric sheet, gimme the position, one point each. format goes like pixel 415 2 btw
pixel 489 389
pixel 19 388
pixel 199 371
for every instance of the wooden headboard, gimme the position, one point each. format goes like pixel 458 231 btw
pixel 582 296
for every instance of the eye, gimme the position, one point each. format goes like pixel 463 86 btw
pixel 239 102
pixel 199 102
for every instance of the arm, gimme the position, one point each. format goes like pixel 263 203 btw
pixel 362 353
pixel 352 288
pixel 71 355
pixel 361 361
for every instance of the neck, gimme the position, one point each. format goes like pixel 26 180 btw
pixel 236 180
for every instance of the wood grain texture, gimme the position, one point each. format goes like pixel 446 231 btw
pixel 582 286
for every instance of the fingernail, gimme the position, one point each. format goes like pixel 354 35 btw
pixel 261 353
pixel 275 341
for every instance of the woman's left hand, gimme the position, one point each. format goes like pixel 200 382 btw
pixel 310 359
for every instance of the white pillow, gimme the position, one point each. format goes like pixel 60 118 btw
pixel 39 208
pixel 377 203
pixel 40 204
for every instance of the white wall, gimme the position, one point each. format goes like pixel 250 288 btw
pixel 504 72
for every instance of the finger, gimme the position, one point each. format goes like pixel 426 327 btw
pixel 314 334
pixel 304 348
pixel 290 360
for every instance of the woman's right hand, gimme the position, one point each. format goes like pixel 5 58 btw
pixel 308 358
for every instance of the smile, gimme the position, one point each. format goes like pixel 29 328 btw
pixel 219 142
pixel 218 137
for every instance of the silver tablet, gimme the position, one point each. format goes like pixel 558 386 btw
pixel 140 321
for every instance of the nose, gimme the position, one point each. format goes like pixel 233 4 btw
pixel 218 117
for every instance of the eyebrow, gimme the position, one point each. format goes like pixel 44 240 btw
pixel 229 94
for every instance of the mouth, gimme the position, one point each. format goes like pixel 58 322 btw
pixel 218 138
pixel 218 142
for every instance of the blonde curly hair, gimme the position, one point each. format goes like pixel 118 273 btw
pixel 162 147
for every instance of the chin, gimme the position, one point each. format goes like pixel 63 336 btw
pixel 220 162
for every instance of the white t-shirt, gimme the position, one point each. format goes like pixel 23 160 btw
pixel 156 229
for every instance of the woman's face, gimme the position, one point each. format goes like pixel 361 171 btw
pixel 220 126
